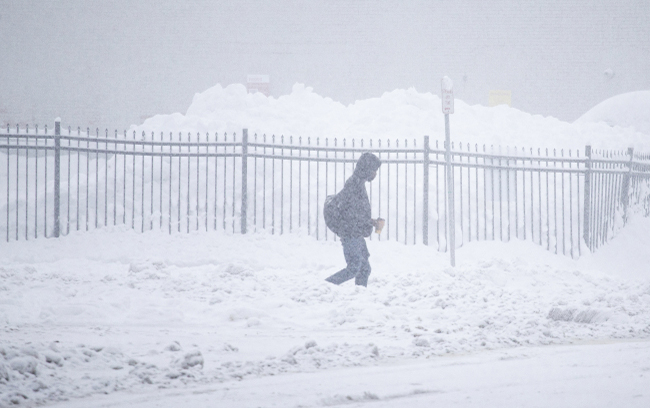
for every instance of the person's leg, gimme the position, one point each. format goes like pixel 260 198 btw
pixel 364 267
pixel 354 257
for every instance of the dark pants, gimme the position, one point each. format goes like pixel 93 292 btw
pixel 356 256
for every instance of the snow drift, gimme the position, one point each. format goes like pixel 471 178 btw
pixel 402 113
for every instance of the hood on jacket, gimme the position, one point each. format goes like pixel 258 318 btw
pixel 366 166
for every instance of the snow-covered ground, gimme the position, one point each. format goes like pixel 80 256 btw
pixel 117 318
pixel 585 376
pixel 115 310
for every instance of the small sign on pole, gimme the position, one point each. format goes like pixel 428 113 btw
pixel 447 96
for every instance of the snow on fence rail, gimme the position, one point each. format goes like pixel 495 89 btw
pixel 57 183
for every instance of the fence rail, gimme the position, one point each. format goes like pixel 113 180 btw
pixel 181 182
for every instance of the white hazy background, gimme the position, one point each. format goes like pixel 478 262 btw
pixel 115 63
pixel 117 318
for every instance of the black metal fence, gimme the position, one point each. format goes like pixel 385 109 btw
pixel 58 182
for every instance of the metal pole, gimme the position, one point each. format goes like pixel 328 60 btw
pixel 57 175
pixel 625 190
pixel 425 194
pixel 450 194
pixel 244 179
pixel 586 210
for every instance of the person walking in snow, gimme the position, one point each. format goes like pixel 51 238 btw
pixel 355 222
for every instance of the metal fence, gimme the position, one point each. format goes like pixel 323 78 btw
pixel 554 197
pixel 59 182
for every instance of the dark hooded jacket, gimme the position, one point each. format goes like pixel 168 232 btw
pixel 354 204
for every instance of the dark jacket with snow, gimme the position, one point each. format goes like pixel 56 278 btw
pixel 354 203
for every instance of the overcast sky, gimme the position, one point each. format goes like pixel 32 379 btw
pixel 114 63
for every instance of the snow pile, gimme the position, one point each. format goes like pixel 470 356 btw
pixel 402 113
pixel 114 309
pixel 630 109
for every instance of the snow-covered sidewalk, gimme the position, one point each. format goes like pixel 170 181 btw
pixel 590 376
pixel 114 311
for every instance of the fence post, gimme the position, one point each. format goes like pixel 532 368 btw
pixel 587 203
pixel 451 219
pixel 57 175
pixel 425 194
pixel 244 180
pixel 625 190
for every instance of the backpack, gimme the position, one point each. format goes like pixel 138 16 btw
pixel 332 213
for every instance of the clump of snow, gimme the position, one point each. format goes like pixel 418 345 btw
pixel 447 83
pixel 625 110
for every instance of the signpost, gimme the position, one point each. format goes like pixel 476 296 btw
pixel 447 108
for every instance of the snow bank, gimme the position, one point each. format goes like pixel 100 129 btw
pixel 402 113
pixel 625 110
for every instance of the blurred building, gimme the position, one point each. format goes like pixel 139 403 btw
pixel 258 83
